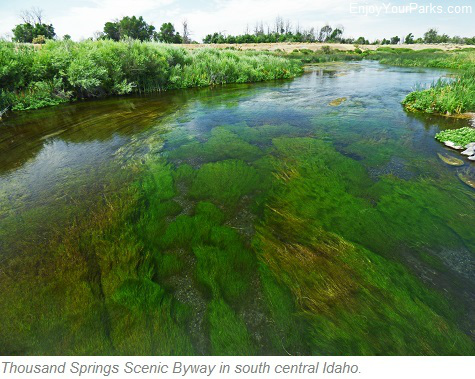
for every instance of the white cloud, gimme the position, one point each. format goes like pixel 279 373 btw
pixel 82 22
pixel 231 16
pixel 81 18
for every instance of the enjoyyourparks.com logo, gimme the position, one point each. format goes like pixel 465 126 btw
pixel 410 8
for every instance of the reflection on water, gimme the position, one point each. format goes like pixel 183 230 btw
pixel 55 162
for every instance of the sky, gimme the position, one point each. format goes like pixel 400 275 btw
pixel 370 18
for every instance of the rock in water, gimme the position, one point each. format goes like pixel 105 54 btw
pixel 337 102
pixel 453 145
pixel 470 151
pixel 467 179
pixel 472 158
pixel 452 161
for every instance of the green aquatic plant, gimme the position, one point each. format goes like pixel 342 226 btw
pixel 228 333
pixel 225 182
pixel 450 160
pixel 340 297
pixel 222 144
pixel 435 58
pixel 462 136
pixel 287 249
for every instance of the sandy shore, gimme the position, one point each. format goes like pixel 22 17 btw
pixel 291 46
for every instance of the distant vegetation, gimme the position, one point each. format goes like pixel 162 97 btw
pixel 284 32
pixel 34 30
pixel 64 70
pixel 138 29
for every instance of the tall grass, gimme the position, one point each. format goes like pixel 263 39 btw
pixel 445 97
pixel 60 71
pixel 435 58
pixel 450 97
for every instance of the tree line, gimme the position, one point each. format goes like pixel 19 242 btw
pixel 282 31
pixel 33 29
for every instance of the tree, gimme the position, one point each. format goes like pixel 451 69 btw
pixel 395 40
pixel 112 30
pixel 32 27
pixel 431 36
pixel 362 41
pixel 336 35
pixel 129 27
pixel 167 34
pixel 325 33
pixel 409 39
pixel 186 32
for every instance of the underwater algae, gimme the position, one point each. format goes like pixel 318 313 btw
pixel 243 229
pixel 117 284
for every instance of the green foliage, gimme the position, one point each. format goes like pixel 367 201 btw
pixel 167 34
pixel 445 97
pixel 37 33
pixel 90 69
pixel 129 27
pixel 435 58
pixel 210 212
pixel 461 137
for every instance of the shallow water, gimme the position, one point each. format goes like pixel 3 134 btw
pixel 395 196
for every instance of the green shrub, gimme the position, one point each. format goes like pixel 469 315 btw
pixel 100 68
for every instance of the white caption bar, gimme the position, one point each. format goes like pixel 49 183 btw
pixel 234 367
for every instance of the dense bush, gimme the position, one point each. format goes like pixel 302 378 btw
pixel 32 77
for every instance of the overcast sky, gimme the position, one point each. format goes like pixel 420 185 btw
pixel 81 18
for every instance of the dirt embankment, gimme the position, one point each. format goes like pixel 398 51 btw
pixel 291 46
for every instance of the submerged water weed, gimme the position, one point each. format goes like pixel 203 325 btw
pixel 94 288
pixel 222 144
pixel 224 182
pixel 228 333
pixel 340 298
pixel 169 254
pixel 332 190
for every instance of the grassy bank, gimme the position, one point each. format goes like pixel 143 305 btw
pixel 449 97
pixel 61 71
pixel 446 96
pixel 433 57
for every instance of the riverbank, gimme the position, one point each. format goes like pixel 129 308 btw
pixel 62 71
pixel 288 47
pixel 453 96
